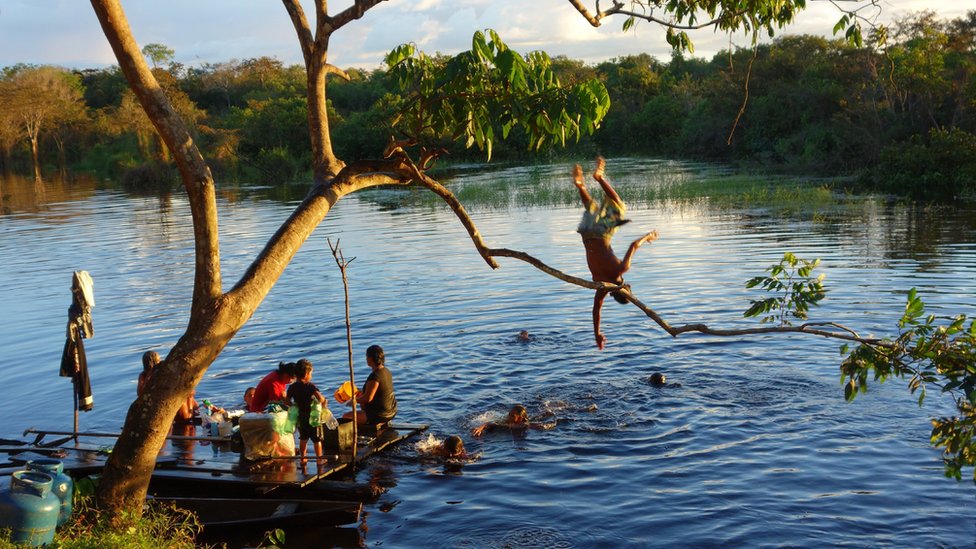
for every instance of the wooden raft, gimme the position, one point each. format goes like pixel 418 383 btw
pixel 216 469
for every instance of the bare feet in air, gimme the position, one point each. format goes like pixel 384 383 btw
pixel 578 176
pixel 601 167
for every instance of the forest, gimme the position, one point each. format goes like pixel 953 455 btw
pixel 895 116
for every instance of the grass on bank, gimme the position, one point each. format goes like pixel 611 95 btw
pixel 159 527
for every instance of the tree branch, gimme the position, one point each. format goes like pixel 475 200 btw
pixel 261 275
pixel 409 169
pixel 298 19
pixel 842 332
pixel 195 174
pixel 618 9
pixel 352 13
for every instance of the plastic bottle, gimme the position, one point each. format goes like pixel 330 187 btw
pixel 328 419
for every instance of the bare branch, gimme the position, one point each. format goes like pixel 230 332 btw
pixel 745 89
pixel 332 69
pixel 343 264
pixel 408 168
pixel 814 328
pixel 352 13
pixel 618 9
pixel 298 19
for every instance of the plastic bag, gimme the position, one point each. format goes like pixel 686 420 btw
pixel 315 416
pixel 285 421
pixel 261 437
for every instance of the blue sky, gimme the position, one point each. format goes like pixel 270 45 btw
pixel 66 32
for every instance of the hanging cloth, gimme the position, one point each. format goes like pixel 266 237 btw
pixel 74 364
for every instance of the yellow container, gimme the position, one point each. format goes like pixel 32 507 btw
pixel 343 393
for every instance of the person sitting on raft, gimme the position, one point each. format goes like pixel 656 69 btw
pixel 600 222
pixel 273 386
pixel 517 419
pixel 377 400
pixel 188 411
pixel 150 359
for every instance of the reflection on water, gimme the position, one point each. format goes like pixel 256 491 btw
pixel 756 446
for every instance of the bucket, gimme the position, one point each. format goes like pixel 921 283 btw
pixel 343 393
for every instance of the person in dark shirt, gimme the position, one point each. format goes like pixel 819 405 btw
pixel 302 392
pixel 377 399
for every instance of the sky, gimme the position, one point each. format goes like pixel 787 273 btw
pixel 66 32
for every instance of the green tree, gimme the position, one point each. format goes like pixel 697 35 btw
pixel 37 99
pixel 158 54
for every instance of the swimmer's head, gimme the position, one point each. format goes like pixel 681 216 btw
pixel 524 335
pixel 518 414
pixel 454 446
pixel 657 379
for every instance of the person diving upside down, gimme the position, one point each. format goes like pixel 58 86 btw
pixel 600 222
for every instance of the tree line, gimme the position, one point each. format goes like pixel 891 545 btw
pixel 900 114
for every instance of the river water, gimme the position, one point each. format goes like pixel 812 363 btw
pixel 756 447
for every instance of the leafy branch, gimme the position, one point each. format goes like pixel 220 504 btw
pixel 481 95
pixel 729 16
pixel 797 290
pixel 929 354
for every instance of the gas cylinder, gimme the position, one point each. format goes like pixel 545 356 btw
pixel 29 509
pixel 63 485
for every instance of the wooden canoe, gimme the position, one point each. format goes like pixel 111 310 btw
pixel 234 514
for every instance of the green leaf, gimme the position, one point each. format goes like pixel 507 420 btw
pixel 628 23
pixel 840 24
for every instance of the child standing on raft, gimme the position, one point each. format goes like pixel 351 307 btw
pixel 303 392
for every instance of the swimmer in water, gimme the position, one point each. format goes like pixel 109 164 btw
pixel 658 379
pixel 452 448
pixel 517 418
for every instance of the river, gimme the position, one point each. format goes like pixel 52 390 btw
pixel 756 447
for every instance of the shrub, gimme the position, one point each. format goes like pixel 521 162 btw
pixel 940 167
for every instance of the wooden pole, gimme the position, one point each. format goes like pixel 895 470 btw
pixel 342 263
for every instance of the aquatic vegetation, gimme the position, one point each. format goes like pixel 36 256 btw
pixel 644 183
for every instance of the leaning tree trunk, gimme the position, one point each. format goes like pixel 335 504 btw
pixel 215 317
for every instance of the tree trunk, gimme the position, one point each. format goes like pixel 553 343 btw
pixel 125 478
pixel 62 156
pixel 36 157
pixel 325 165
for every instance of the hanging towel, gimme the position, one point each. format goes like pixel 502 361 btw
pixel 74 364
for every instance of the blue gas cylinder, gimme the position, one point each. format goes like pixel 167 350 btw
pixel 63 485
pixel 29 509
